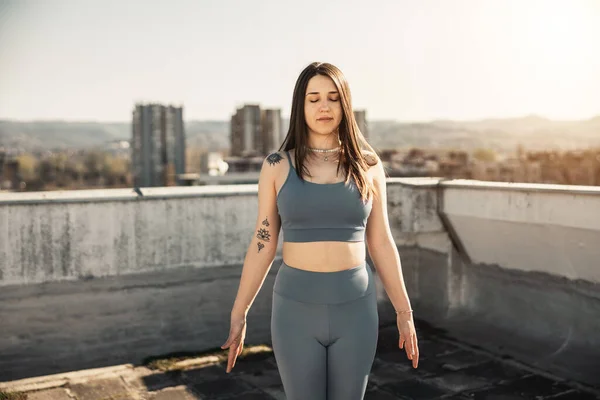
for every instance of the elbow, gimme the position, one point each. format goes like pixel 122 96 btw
pixel 380 245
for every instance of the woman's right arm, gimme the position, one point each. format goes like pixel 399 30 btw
pixel 263 244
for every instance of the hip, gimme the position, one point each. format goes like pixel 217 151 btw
pixel 324 287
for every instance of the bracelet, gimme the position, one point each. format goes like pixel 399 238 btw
pixel 402 312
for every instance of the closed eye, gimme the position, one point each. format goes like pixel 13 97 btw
pixel 314 101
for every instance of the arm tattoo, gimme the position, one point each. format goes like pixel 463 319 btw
pixel 263 234
pixel 274 158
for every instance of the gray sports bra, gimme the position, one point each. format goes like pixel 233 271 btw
pixel 313 212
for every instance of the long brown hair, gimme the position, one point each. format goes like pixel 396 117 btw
pixel 352 141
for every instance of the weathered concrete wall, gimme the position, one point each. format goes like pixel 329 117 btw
pixel 527 227
pixel 98 278
pixel 95 278
pixel 50 236
pixel 64 326
pixel 512 268
pixel 101 277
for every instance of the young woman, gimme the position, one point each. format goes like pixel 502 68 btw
pixel 326 188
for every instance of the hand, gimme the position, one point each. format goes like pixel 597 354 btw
pixel 235 341
pixel 408 337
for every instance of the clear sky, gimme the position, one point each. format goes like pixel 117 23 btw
pixel 405 60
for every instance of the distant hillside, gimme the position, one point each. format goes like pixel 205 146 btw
pixel 46 135
pixel 532 132
pixel 500 134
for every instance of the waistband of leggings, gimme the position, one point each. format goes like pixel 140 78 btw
pixel 324 287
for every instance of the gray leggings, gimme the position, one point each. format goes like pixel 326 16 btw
pixel 324 328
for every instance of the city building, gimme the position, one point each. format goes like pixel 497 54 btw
pixel 9 172
pixel 272 130
pixel 157 145
pixel 255 132
pixel 361 120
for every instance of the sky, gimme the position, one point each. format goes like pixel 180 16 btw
pixel 419 60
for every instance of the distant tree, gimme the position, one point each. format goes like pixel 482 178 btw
pixel 27 167
pixel 94 162
pixel 60 165
pixel 46 171
pixel 415 152
pixel 520 151
pixel 487 155
pixel 114 170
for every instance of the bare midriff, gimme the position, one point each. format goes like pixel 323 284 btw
pixel 324 256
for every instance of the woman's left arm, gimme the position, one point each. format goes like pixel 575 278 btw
pixel 385 256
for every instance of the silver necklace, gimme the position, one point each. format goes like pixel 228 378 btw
pixel 324 151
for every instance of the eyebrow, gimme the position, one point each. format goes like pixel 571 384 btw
pixel 332 92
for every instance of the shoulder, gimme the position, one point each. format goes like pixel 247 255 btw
pixel 274 158
pixel 370 157
pixel 272 165
pixel 271 170
pixel 376 169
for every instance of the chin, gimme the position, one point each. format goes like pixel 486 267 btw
pixel 324 132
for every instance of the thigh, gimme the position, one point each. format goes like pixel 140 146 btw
pixel 297 330
pixel 354 329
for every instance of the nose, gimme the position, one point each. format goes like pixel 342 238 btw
pixel 324 105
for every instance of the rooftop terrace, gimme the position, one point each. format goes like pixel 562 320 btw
pixel 504 276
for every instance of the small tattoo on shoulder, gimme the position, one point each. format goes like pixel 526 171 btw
pixel 260 246
pixel 265 222
pixel 274 158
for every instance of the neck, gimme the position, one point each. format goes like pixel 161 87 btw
pixel 321 142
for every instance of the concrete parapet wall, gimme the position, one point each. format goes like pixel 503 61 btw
pixel 553 229
pixel 513 268
pixel 94 278
pixel 65 326
pixel 47 236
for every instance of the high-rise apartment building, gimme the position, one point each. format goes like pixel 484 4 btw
pixel 255 132
pixel 361 120
pixel 245 131
pixel 272 130
pixel 157 145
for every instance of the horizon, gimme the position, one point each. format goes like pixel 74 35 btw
pixel 465 60
pixel 527 116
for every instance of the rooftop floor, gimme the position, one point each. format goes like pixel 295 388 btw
pixel 448 369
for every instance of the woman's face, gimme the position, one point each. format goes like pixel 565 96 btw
pixel 322 108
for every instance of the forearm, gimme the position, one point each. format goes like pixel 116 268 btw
pixel 256 267
pixel 389 269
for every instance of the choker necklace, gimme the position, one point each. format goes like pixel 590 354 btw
pixel 324 151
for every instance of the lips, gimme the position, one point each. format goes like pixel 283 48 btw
pixel 324 119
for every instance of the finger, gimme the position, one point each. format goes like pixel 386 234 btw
pixel 234 359
pixel 408 348
pixel 228 362
pixel 401 341
pixel 415 352
pixel 226 344
pixel 230 340
pixel 231 358
pixel 416 360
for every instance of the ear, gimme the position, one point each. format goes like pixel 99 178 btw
pixel 370 157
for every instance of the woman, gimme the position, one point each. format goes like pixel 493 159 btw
pixel 329 196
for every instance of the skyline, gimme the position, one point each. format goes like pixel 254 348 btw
pixel 92 61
